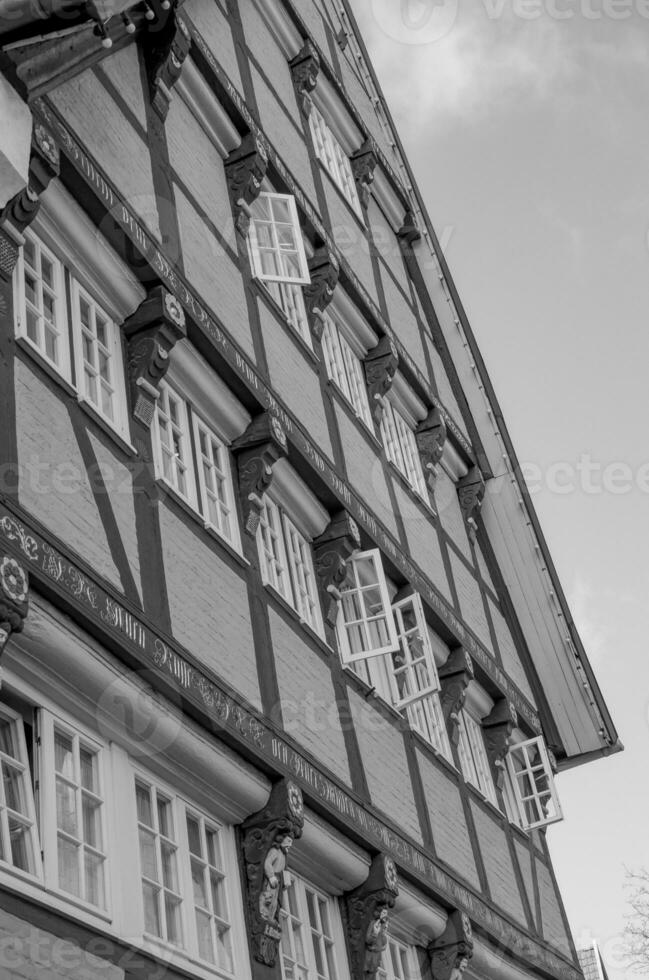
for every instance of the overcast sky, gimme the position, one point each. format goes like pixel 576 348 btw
pixel 527 124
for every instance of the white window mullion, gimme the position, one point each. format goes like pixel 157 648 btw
pixel 366 623
pixel 533 786
pixel 215 482
pixel 276 245
pixel 172 443
pixel 41 309
pixel 19 843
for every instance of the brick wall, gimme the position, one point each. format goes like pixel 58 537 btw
pixel 365 470
pixel 214 27
pixel 498 864
pixel 511 660
pixel 422 539
pixel 554 930
pixel 450 833
pixel 470 599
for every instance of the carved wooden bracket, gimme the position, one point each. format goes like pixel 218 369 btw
pixel 44 164
pixel 471 490
pixel 454 677
pixel 169 49
pixel 364 162
pixel 245 169
pixel 381 365
pixel 14 598
pixel 267 836
pixel 305 68
pixel 324 271
pixel 152 332
pixel 366 914
pixel 431 436
pixel 331 551
pixel 409 231
pixel 257 451
pixel 451 952
pixel 498 727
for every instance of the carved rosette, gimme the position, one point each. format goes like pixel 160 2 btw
pixel 330 552
pixel 257 451
pixel 324 271
pixel 431 436
pixel 151 332
pixel 364 163
pixel 451 952
pixel 267 836
pixel 305 68
pixel 245 170
pixel 366 917
pixel 454 677
pixel 470 491
pixel 44 164
pixel 171 45
pixel 14 598
pixel 381 365
pixel 498 727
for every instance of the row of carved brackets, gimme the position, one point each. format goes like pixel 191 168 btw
pixel 266 839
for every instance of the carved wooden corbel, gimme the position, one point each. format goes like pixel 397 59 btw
pixel 169 49
pixel 257 451
pixel 364 162
pixel 431 436
pixel 14 598
pixel 454 677
pixel 267 836
pixel 245 169
pixel 409 231
pixel 451 952
pixel 366 913
pixel 497 728
pixel 471 490
pixel 305 68
pixel 381 365
pixel 331 551
pixel 44 164
pixel 152 332
pixel 324 271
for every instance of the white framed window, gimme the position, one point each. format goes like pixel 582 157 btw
pixel 287 564
pixel 212 918
pixel 309 933
pixel 345 368
pixel 99 364
pixel 72 798
pixel 473 755
pixel 290 299
pixel 532 783
pixel 400 444
pixel 333 158
pixel 41 313
pixel 172 443
pixel 276 245
pixel 158 845
pixel 399 962
pixel 19 842
pixel 365 623
pixel 215 481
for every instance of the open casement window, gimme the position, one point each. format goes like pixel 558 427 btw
pixel 473 756
pixel 530 772
pixel 19 846
pixel 276 246
pixel 366 625
pixel 309 933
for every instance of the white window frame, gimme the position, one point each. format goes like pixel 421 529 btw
pixel 187 458
pixel 405 951
pixel 21 763
pixel 162 888
pixel 344 367
pixel 47 776
pixel 63 365
pixel 303 277
pixel 354 587
pixel 534 775
pixel 473 755
pixel 224 471
pixel 115 357
pixel 223 872
pixel 302 916
pixel 400 444
pixel 335 161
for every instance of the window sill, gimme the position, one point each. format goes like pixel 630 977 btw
pixel 412 493
pixel 422 741
pixel 32 888
pixel 479 795
pixel 358 216
pixel 180 960
pixel 167 490
pixel 50 370
pixel 358 421
pixel 111 431
pixel 277 310
pixel 284 604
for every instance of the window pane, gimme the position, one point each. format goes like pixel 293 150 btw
pixel 68 858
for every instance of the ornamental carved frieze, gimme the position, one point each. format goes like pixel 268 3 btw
pixel 366 917
pixel 14 598
pixel 151 332
pixel 381 365
pixel 450 953
pixel 44 164
pixel 470 491
pixel 324 271
pixel 245 169
pixel 431 436
pixel 305 68
pixel 257 451
pixel 497 728
pixel 364 162
pixel 330 552
pixel 409 232
pixel 267 837
pixel 169 47
pixel 455 676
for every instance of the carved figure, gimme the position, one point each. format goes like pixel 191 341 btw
pixel 273 880
pixel 376 941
